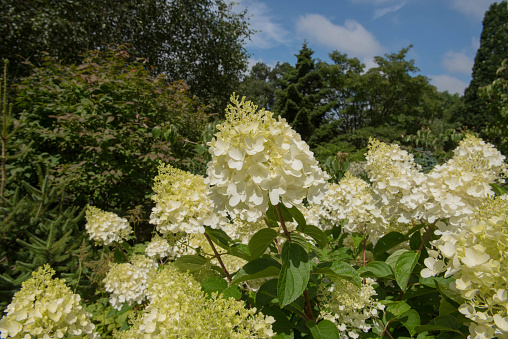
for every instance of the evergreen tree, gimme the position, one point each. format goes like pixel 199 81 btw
pixel 299 99
pixel 493 50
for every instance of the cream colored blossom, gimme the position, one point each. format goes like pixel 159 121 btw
pixel 349 307
pixel 478 259
pixel 159 248
pixel 452 190
pixel 393 174
pixel 256 160
pixel 45 308
pixel 182 203
pixel 127 282
pixel 179 309
pixel 105 227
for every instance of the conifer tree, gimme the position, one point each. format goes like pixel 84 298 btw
pixel 493 50
pixel 299 100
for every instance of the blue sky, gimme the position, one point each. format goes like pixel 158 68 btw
pixel 445 34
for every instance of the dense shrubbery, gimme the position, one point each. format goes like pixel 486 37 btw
pixel 405 255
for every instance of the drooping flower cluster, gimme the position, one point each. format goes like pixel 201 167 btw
pixel 105 227
pixel 478 259
pixel 182 203
pixel 127 282
pixel 393 174
pixel 179 309
pixel 45 308
pixel 158 248
pixel 257 159
pixel 454 189
pixel 349 307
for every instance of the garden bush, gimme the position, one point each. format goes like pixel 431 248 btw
pixel 264 246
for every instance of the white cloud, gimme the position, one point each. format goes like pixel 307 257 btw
pixel 270 33
pixel 448 83
pixel 385 10
pixel 351 38
pixel 475 43
pixel 473 8
pixel 458 62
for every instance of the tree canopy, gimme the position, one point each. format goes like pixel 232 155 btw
pixel 200 42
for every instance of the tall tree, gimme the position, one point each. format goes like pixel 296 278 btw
pixel 198 41
pixel 493 50
pixel 299 99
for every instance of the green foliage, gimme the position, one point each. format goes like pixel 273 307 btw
pixel 201 42
pixel 496 97
pixel 106 124
pixel 493 50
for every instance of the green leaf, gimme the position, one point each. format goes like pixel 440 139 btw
pixel 377 269
pixel 268 292
pixel 156 132
pixel 358 239
pixel 119 256
pixel 498 190
pixel 213 284
pixel 260 241
pixel 271 213
pixel 324 330
pixel 448 323
pixel 404 266
pixel 286 214
pixel 340 270
pixel 282 323
pixel 240 251
pixel 294 274
pixel 316 234
pixel 298 216
pixel 394 309
pixel 219 237
pixel 190 263
pixel 410 319
pixel 231 292
pixel 259 268
pixel 387 242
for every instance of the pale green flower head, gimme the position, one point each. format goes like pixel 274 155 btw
pixel 179 309
pixel 257 159
pixel 105 227
pixel 127 282
pixel 182 203
pixel 45 308
pixel 349 307
pixel 478 259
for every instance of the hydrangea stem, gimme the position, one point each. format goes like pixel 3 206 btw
pixel 217 255
pixel 425 237
pixel 282 223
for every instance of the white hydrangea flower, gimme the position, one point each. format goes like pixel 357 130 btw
pixel 158 248
pixel 478 259
pixel 105 227
pixel 256 160
pixel 182 203
pixel 45 308
pixel 350 307
pixel 393 174
pixel 452 190
pixel 127 282
pixel 178 308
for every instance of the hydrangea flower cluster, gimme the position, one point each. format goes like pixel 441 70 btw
pixel 454 189
pixel 106 227
pixel 182 203
pixel 478 259
pixel 127 282
pixel 257 159
pixel 348 307
pixel 45 308
pixel 179 309
pixel 159 248
pixel 352 199
pixel 393 174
